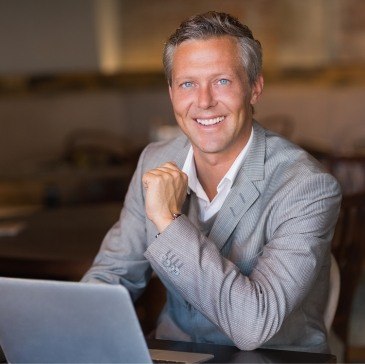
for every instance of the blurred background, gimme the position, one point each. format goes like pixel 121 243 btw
pixel 75 73
pixel 82 91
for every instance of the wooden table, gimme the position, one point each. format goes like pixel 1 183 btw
pixel 58 243
pixel 231 354
pixel 62 243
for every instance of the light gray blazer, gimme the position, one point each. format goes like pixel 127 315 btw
pixel 260 278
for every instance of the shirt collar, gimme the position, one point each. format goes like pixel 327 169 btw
pixel 190 170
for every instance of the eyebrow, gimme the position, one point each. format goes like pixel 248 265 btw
pixel 189 78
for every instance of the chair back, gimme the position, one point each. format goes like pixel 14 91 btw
pixel 333 294
pixel 348 249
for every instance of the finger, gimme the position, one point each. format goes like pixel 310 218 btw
pixel 149 176
pixel 163 172
pixel 168 170
pixel 171 165
pixel 145 181
pixel 154 177
pixel 171 173
pixel 155 173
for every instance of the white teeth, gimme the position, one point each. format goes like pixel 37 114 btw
pixel 207 122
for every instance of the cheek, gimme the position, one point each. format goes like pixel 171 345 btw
pixel 235 104
pixel 235 98
pixel 181 104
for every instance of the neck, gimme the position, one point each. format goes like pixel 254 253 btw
pixel 210 171
pixel 212 167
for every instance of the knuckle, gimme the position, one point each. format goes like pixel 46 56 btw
pixel 175 174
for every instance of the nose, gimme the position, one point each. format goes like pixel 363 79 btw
pixel 206 97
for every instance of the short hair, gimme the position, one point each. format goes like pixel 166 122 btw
pixel 215 24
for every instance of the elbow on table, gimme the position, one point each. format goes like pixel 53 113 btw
pixel 247 345
pixel 254 338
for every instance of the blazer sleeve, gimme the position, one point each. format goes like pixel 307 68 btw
pixel 251 309
pixel 120 259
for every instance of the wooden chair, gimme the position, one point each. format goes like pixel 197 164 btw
pixel 349 169
pixel 348 249
pixel 334 294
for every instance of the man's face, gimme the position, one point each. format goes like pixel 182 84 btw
pixel 211 96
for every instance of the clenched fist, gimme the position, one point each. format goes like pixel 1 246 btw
pixel 166 188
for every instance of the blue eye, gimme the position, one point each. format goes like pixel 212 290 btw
pixel 223 81
pixel 187 84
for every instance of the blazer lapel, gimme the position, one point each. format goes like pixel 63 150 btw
pixel 239 200
pixel 182 152
pixel 244 192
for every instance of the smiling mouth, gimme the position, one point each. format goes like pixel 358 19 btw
pixel 212 121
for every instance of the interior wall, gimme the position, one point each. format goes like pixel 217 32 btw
pixel 60 36
pixel 294 33
pixel 42 36
pixel 328 117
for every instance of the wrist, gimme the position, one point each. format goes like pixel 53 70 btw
pixel 163 223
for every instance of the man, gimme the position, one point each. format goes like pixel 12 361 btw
pixel 235 220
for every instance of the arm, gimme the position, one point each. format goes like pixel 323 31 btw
pixel 251 309
pixel 120 259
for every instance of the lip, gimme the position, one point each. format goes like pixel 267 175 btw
pixel 209 121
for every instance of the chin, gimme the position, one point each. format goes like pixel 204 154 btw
pixel 210 149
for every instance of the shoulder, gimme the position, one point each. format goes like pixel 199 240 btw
pixel 284 153
pixel 289 164
pixel 157 153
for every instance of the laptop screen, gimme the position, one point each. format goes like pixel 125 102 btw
pixel 51 321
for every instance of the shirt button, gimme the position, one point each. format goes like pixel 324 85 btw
pixel 176 271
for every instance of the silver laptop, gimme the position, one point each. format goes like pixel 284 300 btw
pixel 67 322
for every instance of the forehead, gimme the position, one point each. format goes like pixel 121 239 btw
pixel 215 52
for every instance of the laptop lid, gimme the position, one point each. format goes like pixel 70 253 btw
pixel 69 322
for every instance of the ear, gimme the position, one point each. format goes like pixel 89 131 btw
pixel 256 89
pixel 170 92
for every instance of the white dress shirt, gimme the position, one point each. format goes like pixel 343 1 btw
pixel 208 209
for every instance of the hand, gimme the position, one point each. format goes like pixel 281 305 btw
pixel 166 188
